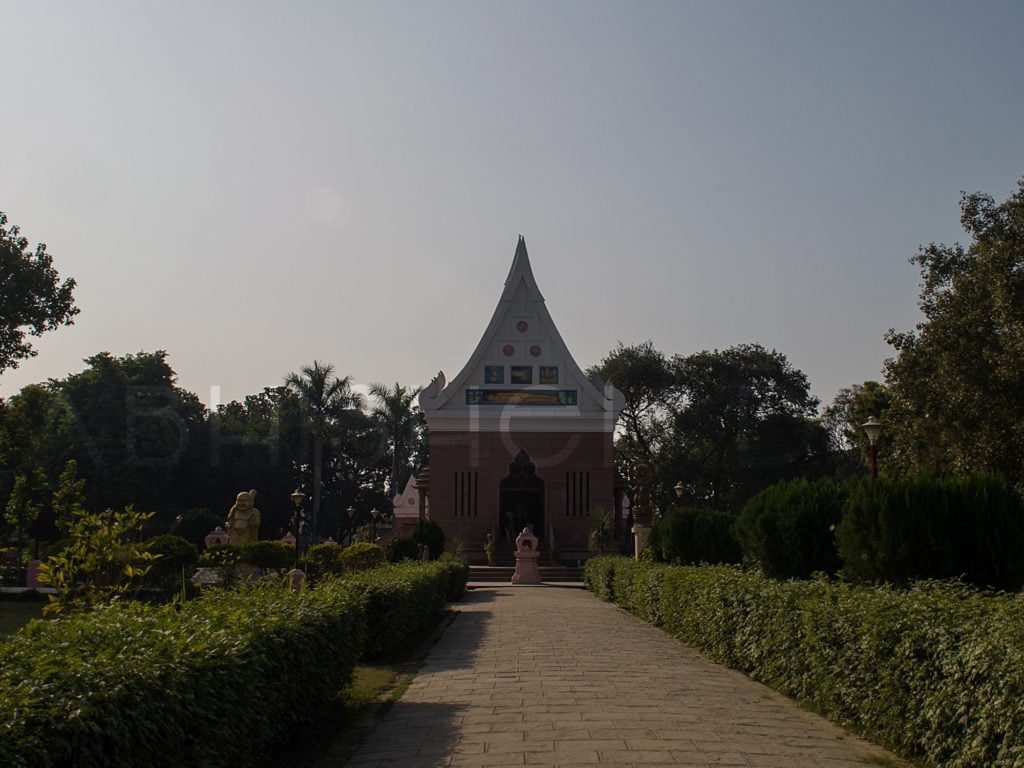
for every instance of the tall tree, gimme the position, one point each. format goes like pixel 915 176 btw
pixel 33 299
pixel 957 382
pixel 68 497
pixel 401 421
pixel 134 429
pixel 746 419
pixel 843 419
pixel 643 376
pixel 24 504
pixel 324 396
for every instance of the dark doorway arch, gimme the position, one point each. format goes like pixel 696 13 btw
pixel 521 499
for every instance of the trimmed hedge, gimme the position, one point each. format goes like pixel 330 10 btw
pixel 321 560
pixel 402 548
pixel 361 556
pixel 402 600
pixel 899 529
pixel 213 682
pixel 688 536
pixel 788 529
pixel 429 534
pixel 936 671
pixel 269 554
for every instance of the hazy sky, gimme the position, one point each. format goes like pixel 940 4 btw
pixel 250 186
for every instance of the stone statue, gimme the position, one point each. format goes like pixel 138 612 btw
pixel 243 520
pixel 526 559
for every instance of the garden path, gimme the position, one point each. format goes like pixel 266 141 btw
pixel 552 676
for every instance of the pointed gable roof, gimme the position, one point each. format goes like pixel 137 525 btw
pixel 522 335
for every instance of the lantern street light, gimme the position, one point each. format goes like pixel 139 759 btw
pixel 679 488
pixel 351 514
pixel 297 498
pixel 374 513
pixel 873 429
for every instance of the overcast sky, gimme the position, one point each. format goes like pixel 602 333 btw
pixel 250 186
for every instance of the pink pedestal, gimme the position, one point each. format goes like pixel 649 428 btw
pixel 32 575
pixel 526 559
pixel 218 537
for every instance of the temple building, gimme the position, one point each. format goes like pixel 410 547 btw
pixel 521 437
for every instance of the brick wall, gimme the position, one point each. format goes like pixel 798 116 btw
pixel 466 469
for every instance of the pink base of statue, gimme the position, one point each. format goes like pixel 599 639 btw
pixel 32 575
pixel 526 559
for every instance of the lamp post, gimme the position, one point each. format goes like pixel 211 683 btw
pixel 297 498
pixel 351 514
pixel 679 488
pixel 374 513
pixel 873 428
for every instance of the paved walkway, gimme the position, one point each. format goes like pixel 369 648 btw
pixel 550 676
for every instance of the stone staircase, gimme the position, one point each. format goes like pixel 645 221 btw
pixel 502 574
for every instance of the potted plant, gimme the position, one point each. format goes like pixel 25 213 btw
pixel 489 548
pixel 601 534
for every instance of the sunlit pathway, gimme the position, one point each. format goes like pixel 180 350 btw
pixel 549 676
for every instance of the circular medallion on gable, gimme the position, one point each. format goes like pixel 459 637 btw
pixel 535 350
pixel 522 326
pixel 509 350
pixel 411 501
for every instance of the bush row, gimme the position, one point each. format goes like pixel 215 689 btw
pixel 934 671
pixel 888 530
pixel 402 600
pixel 210 682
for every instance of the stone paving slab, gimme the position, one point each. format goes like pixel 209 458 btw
pixel 554 677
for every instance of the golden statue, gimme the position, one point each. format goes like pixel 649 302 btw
pixel 243 520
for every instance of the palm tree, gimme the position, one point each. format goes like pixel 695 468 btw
pixel 324 396
pixel 399 419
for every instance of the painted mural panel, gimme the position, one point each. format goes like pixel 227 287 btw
pixel 521 374
pixel 522 397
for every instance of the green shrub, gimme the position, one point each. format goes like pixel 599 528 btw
pixel 270 554
pixel 362 556
pixel 599 576
pixel 935 672
pixel 429 533
pixel 899 529
pixel 212 682
pixel 175 559
pixel 402 548
pixel 321 560
pixel 687 536
pixel 220 556
pixel 457 570
pixel 103 563
pixel 401 602
pixel 196 524
pixel 788 529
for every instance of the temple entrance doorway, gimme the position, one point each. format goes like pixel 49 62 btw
pixel 521 499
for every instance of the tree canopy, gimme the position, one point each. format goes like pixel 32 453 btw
pixel 844 417
pixel 725 423
pixel 957 382
pixel 324 398
pixel 746 419
pixel 402 424
pixel 33 299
